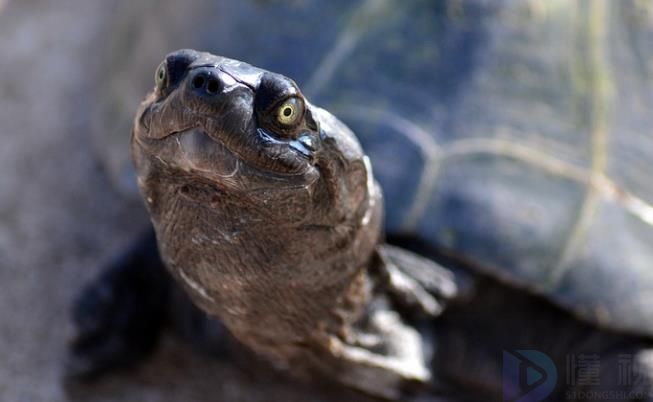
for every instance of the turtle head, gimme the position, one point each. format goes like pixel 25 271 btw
pixel 248 133
pixel 254 193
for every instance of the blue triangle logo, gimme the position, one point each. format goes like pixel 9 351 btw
pixel 532 376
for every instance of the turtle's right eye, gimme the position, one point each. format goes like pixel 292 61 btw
pixel 160 76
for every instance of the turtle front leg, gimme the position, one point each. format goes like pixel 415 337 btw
pixel 382 355
pixel 118 317
pixel 388 352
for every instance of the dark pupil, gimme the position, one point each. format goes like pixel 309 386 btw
pixel 161 73
pixel 287 112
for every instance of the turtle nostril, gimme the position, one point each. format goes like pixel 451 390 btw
pixel 205 83
pixel 213 86
pixel 198 82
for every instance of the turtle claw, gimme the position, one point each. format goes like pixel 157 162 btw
pixel 415 282
pixel 117 318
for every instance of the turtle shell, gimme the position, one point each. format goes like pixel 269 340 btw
pixel 514 136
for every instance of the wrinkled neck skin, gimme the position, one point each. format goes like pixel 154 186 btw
pixel 285 271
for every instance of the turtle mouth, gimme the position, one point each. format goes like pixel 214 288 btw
pixel 197 152
pixel 194 151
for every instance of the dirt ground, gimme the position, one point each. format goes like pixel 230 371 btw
pixel 60 218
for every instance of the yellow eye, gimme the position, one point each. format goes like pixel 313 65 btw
pixel 289 111
pixel 160 75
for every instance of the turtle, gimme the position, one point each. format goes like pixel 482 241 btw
pixel 491 128
pixel 267 213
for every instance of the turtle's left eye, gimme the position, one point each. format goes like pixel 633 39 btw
pixel 290 110
pixel 161 75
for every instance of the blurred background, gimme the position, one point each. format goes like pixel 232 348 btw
pixel 72 73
